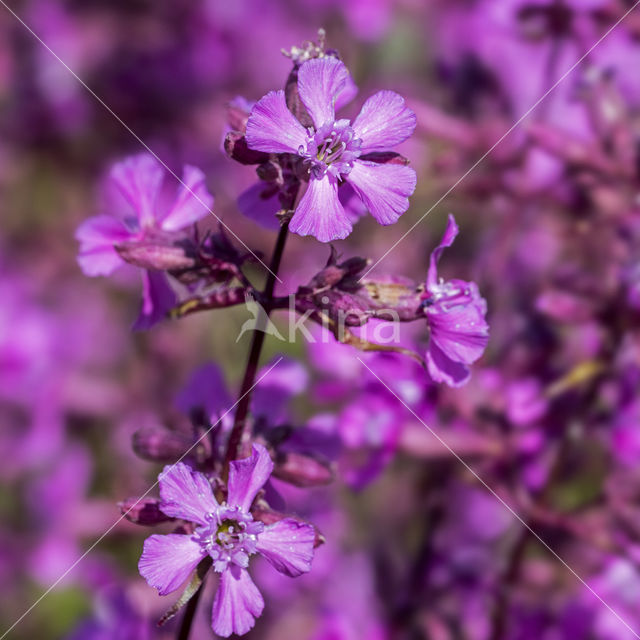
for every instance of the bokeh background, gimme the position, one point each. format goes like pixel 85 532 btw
pixel 549 231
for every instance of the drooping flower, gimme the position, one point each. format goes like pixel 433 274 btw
pixel 337 150
pixel 140 211
pixel 229 535
pixel 455 311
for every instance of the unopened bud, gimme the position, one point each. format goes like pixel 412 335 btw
pixel 301 470
pixel 385 157
pixel 294 102
pixel 145 512
pixel 236 147
pixel 160 257
pixel 160 444
pixel 270 172
pixel 238 112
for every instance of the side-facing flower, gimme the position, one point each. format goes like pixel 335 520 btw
pixel 337 150
pixel 455 311
pixel 229 535
pixel 140 211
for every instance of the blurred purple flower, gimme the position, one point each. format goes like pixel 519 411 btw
pixel 138 181
pixel 526 402
pixel 115 616
pixel 456 315
pixel 271 397
pixel 619 585
pixel 207 390
pixel 626 434
pixel 369 429
pixel 336 150
pixel 157 299
pixel 228 534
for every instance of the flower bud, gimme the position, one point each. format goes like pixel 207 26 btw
pixel 236 147
pixel 302 470
pixel 565 306
pixel 385 157
pixel 270 172
pixel 238 111
pixel 145 512
pixel 156 256
pixel 160 444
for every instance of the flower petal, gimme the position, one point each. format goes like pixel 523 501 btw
pixel 320 213
pixel 442 369
pixel 459 336
pixel 288 546
pixel 384 188
pixel 185 493
pixel 384 122
pixel 97 236
pixel 205 389
pixel 345 95
pixel 247 476
pixel 237 603
pixel 320 82
pixel 139 179
pixel 354 208
pixel 448 237
pixel 272 395
pixel 273 128
pixel 192 203
pixel 157 298
pixel 167 561
pixel 260 203
pixel 461 331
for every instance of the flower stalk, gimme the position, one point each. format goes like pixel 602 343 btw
pixel 234 446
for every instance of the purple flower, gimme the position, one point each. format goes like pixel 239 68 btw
pixel 141 211
pixel 337 150
pixel 625 434
pixel 228 534
pixel 456 315
pixel 369 429
pixel 157 299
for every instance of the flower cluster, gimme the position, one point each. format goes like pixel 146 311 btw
pixel 314 166
pixel 392 374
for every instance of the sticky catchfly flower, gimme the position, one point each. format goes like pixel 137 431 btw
pixel 139 211
pixel 337 150
pixel 455 311
pixel 229 535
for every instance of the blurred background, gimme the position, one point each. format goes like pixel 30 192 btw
pixel 550 231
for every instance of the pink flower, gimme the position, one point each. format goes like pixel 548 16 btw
pixel 229 535
pixel 337 150
pixel 455 312
pixel 138 181
pixel 141 214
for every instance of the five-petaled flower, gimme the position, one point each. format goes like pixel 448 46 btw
pixel 455 312
pixel 228 533
pixel 140 209
pixel 337 150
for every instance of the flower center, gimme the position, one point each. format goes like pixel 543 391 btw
pixel 445 296
pixel 331 149
pixel 229 537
